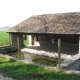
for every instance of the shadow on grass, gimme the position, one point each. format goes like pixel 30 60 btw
pixel 21 71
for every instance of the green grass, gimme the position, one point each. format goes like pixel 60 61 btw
pixel 4 38
pixel 21 71
pixel 26 42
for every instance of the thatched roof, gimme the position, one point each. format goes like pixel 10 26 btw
pixel 62 23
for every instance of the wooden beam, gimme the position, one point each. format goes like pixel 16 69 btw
pixel 18 42
pixel 59 53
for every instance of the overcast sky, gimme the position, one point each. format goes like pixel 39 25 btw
pixel 13 12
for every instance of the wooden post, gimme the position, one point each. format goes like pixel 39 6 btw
pixel 59 53
pixel 32 39
pixel 79 44
pixel 18 41
pixel 10 39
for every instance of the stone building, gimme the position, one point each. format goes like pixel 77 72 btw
pixel 47 29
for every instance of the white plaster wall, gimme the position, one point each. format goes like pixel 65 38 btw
pixel 30 39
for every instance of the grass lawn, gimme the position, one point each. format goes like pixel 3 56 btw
pixel 26 42
pixel 21 71
pixel 4 38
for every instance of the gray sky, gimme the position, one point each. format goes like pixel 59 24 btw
pixel 13 12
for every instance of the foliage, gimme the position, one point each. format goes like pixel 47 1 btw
pixel 26 42
pixel 21 71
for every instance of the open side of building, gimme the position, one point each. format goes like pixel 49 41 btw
pixel 47 29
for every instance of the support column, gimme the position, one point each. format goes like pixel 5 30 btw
pixel 79 43
pixel 13 40
pixel 10 39
pixel 29 39
pixel 32 40
pixel 59 53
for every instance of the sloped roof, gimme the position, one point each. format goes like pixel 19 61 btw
pixel 62 23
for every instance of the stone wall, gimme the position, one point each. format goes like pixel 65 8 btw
pixel 72 63
pixel 46 40
pixel 69 43
pixel 14 41
pixel 7 49
pixel 72 39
